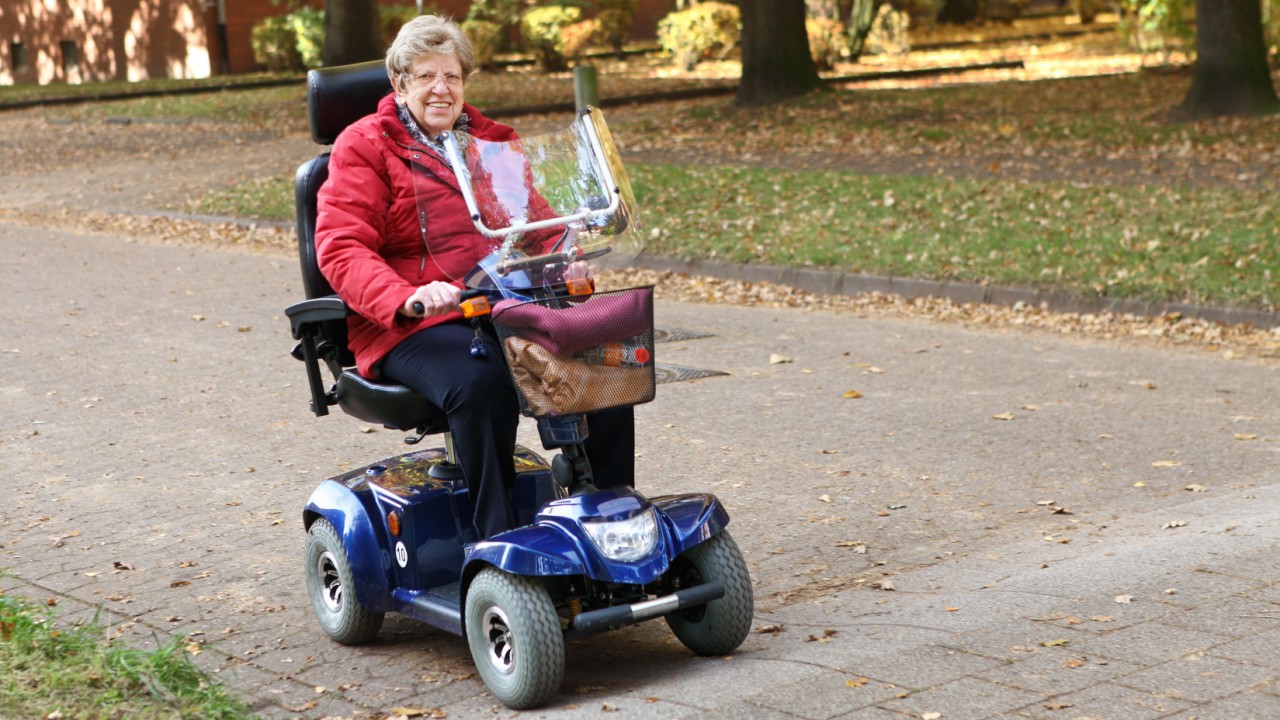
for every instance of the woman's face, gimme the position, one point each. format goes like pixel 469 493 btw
pixel 433 92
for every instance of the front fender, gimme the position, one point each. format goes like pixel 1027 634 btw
pixel 370 561
pixel 532 550
pixel 691 519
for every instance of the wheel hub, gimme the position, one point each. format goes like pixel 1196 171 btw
pixel 330 581
pixel 499 644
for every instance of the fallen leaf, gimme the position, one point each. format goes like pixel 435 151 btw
pixel 121 565
pixel 1058 706
pixel 1174 524
pixel 1124 599
pixel 776 359
pixel 1196 488
pixel 769 629
pixel 855 682
pixel 852 394
pixel 886 584
pixel 1166 463
pixel 931 716
pixel 1102 618
pixel 1003 416
pixel 1056 643
pixel 1073 663
pixel 1244 436
pixel 310 704
pixel 606 707
pixel 824 498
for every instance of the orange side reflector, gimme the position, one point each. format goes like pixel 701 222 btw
pixel 580 286
pixel 476 306
pixel 393 523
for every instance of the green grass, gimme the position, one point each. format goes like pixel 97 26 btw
pixel 1219 246
pixel 76 672
pixel 258 199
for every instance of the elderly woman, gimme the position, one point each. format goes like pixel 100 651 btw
pixel 382 238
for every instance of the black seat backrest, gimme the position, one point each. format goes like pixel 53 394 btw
pixel 336 97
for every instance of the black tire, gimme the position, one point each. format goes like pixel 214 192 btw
pixel 515 638
pixel 720 626
pixel 332 588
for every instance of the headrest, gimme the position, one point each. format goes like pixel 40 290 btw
pixel 338 96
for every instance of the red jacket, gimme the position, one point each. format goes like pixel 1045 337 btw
pixel 371 242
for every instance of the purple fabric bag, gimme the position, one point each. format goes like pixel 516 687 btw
pixel 601 318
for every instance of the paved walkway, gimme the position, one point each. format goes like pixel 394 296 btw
pixel 1003 525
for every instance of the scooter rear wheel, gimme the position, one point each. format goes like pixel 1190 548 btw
pixel 720 626
pixel 515 638
pixel 332 588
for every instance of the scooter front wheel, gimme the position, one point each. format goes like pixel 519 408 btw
pixel 720 626
pixel 332 589
pixel 515 638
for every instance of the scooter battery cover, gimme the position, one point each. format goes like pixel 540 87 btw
pixel 579 355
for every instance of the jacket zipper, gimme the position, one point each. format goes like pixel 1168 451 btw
pixel 422 225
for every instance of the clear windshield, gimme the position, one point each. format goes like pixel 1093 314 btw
pixel 539 203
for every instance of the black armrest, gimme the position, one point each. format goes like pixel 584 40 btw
pixel 315 311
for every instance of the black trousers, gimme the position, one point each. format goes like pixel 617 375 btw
pixel 480 400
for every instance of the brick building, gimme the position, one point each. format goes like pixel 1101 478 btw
pixel 76 41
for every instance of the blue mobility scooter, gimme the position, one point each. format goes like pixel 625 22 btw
pixel 396 535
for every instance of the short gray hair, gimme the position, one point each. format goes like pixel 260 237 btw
pixel 428 35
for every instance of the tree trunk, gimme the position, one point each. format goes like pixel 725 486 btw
pixel 1231 75
pixel 862 13
pixel 352 32
pixel 776 63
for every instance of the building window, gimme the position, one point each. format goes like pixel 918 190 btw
pixel 70 57
pixel 18 55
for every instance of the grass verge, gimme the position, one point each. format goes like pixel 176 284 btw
pixel 51 670
pixel 1216 246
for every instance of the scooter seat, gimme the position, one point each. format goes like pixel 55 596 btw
pixel 391 405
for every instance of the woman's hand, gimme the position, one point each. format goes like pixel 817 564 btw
pixel 437 298
pixel 578 270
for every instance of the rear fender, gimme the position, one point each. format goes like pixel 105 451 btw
pixel 370 560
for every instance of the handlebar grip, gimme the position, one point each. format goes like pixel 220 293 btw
pixel 418 307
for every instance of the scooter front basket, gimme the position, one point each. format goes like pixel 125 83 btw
pixel 574 355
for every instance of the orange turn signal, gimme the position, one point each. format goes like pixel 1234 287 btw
pixel 580 286
pixel 476 306
pixel 393 523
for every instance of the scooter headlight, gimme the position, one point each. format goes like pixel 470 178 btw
pixel 625 540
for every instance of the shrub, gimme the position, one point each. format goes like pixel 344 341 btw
pixel 709 30
pixel 888 34
pixel 275 45
pixel 308 27
pixel 486 39
pixel 1158 25
pixel 289 43
pixel 393 17
pixel 615 18
pixel 575 38
pixel 540 28
pixel 828 41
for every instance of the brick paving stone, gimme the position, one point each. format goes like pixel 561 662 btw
pixel 964 699
pixel 1060 672
pixel 1106 702
pixel 1150 643
pixel 1199 678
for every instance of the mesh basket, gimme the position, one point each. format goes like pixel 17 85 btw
pixel 569 356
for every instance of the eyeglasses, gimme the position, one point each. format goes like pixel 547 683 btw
pixel 452 80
